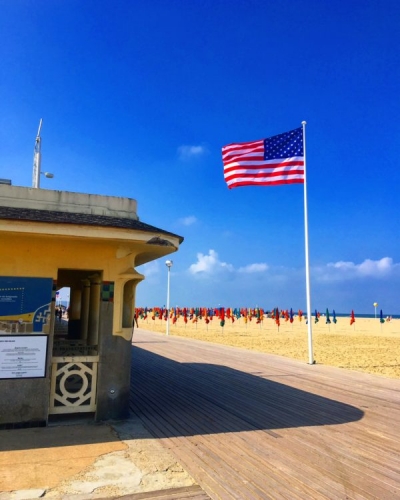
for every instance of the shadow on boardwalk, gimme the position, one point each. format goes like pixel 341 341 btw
pixel 186 399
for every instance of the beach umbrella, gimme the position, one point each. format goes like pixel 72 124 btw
pixel 174 315
pixel 222 316
pixel 334 316
pixel 328 321
pixel 291 315
pixel 381 317
pixel 185 320
pixel 352 318
pixel 316 316
pixel 277 317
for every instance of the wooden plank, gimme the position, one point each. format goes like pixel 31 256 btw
pixel 247 425
pixel 254 464
pixel 187 492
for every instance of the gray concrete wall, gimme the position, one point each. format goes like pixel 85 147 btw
pixel 26 401
pixel 113 382
pixel 65 201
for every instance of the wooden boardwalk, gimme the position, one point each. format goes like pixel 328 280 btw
pixel 247 425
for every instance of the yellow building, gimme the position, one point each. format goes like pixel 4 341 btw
pixel 92 244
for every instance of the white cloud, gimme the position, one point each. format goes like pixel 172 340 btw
pixel 343 270
pixel 188 221
pixel 187 152
pixel 209 264
pixel 253 268
pixel 150 269
pixel 331 272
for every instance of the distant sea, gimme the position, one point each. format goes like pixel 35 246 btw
pixel 347 315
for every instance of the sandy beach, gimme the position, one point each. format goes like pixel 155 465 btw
pixel 367 345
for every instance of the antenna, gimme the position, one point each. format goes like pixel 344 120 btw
pixel 39 129
pixel 37 160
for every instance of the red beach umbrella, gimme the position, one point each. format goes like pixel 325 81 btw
pixel 277 317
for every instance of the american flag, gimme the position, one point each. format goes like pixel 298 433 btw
pixel 276 160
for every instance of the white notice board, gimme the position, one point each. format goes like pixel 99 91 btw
pixel 23 356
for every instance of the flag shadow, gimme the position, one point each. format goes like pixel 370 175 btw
pixel 184 399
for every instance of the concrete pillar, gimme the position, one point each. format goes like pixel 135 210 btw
pixel 85 304
pixel 75 304
pixel 74 315
pixel 127 304
pixel 94 310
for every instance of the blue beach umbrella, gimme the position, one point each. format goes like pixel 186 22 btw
pixel 328 321
pixel 381 317
pixel 334 316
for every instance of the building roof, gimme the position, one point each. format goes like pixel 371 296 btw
pixel 56 217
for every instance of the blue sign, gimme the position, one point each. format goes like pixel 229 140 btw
pixel 25 303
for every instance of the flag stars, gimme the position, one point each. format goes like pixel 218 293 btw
pixel 287 145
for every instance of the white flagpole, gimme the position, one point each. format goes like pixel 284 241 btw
pixel 310 345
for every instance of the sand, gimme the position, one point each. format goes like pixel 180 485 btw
pixel 367 345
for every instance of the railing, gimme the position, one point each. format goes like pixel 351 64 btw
pixel 73 378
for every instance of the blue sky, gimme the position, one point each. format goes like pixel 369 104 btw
pixel 138 98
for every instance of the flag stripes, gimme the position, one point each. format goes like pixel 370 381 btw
pixel 276 160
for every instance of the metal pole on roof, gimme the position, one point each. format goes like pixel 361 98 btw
pixel 37 157
pixel 37 160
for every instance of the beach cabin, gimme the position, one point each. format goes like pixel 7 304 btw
pixel 78 362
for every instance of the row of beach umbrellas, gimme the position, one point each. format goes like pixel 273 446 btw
pixel 232 314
